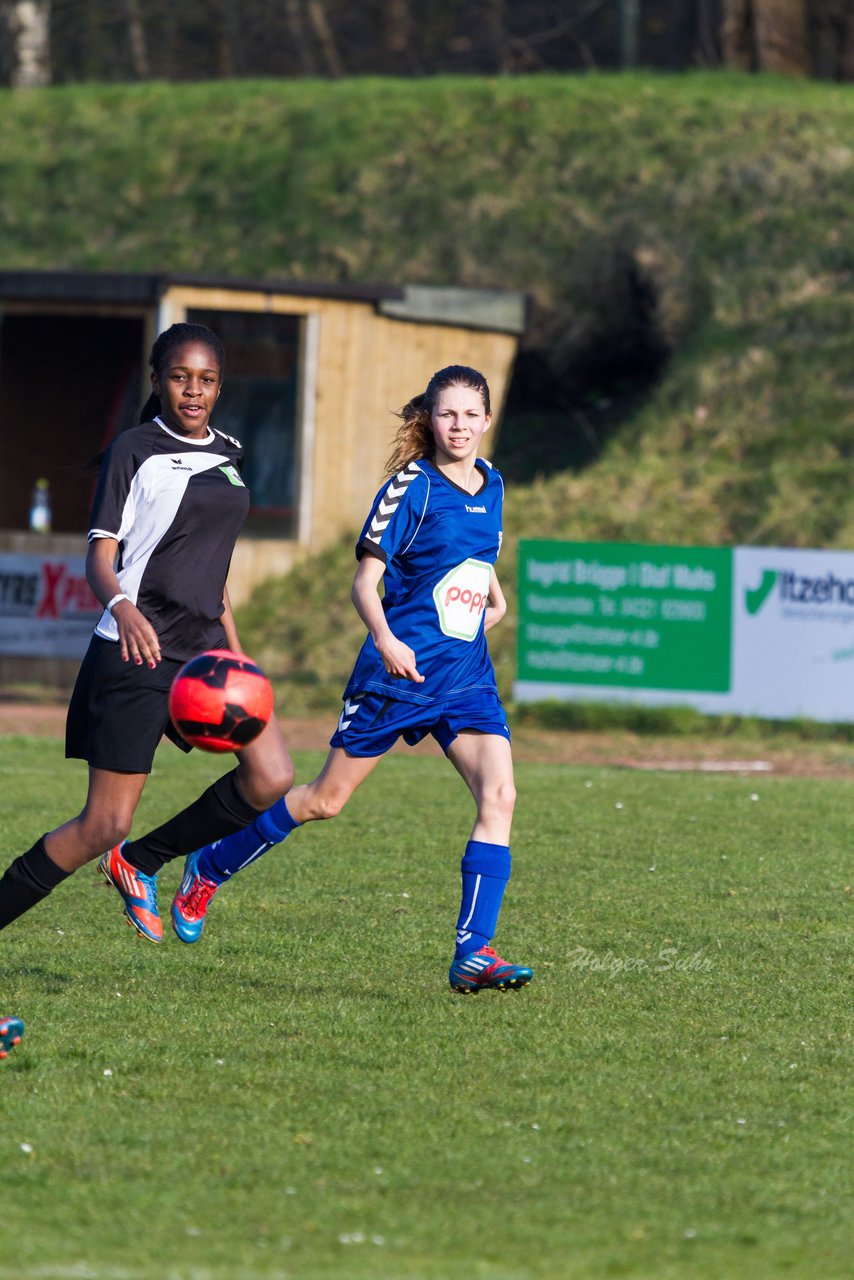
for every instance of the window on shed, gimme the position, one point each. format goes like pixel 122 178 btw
pixel 258 406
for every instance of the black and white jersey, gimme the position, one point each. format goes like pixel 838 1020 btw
pixel 175 505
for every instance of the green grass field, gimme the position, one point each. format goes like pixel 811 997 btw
pixel 299 1095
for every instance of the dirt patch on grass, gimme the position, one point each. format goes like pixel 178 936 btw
pixel 548 746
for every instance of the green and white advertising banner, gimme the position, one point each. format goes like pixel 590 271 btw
pixel 793 638
pixel 754 630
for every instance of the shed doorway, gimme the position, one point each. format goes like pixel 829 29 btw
pixel 68 384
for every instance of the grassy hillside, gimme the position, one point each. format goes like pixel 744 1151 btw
pixel 724 201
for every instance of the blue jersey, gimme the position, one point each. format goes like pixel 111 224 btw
pixel 438 544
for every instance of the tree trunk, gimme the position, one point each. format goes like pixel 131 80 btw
pixel 767 35
pixel 737 35
pixel 323 33
pixel 629 33
pixel 136 34
pixel 782 38
pixel 293 13
pixel 494 35
pixel 27 23
pixel 845 65
pixel 230 39
pixel 395 33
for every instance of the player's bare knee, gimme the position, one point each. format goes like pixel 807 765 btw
pixel 498 800
pixel 264 785
pixel 507 797
pixel 277 783
pixel 105 831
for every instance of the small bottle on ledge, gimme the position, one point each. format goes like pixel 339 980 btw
pixel 40 515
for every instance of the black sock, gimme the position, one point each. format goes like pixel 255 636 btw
pixel 26 881
pixel 218 812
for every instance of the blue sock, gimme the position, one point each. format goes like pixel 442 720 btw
pixel 485 870
pixel 221 859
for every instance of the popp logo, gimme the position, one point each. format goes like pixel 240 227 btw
pixel 461 598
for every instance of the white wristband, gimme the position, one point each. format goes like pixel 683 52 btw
pixel 115 600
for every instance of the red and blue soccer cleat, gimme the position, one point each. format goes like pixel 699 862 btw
pixel 190 903
pixel 11 1033
pixel 484 969
pixel 138 892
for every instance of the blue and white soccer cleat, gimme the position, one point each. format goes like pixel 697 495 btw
pixel 11 1033
pixel 138 892
pixel 191 902
pixel 484 969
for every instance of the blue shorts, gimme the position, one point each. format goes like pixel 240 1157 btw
pixel 371 723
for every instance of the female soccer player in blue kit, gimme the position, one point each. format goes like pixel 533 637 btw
pixel 432 538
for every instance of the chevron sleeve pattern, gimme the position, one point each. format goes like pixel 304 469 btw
pixel 386 504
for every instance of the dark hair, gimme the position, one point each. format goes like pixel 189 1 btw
pixel 177 335
pixel 414 437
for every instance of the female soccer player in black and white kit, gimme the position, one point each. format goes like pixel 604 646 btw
pixel 431 538
pixel 168 508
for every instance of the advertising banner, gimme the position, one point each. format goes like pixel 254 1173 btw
pixel 46 606
pixel 625 615
pixel 763 631
pixel 793 636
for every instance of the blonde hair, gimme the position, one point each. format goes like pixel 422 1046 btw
pixel 414 438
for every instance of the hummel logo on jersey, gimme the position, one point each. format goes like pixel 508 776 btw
pixel 390 501
pixel 350 709
pixel 478 510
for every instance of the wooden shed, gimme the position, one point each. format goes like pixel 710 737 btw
pixel 313 375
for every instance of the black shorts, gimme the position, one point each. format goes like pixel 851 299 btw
pixel 119 711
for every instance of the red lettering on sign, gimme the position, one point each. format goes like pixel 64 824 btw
pixel 64 592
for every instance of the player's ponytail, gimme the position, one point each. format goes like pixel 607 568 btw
pixel 414 438
pixel 150 409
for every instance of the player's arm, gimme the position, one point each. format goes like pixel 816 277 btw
pixel 398 658
pixel 496 605
pixel 137 637
pixel 229 625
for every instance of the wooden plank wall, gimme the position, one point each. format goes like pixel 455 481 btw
pixel 368 366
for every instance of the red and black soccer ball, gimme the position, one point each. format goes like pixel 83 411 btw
pixel 220 701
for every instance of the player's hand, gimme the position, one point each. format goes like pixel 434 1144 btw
pixel 137 637
pixel 399 660
pixel 491 616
